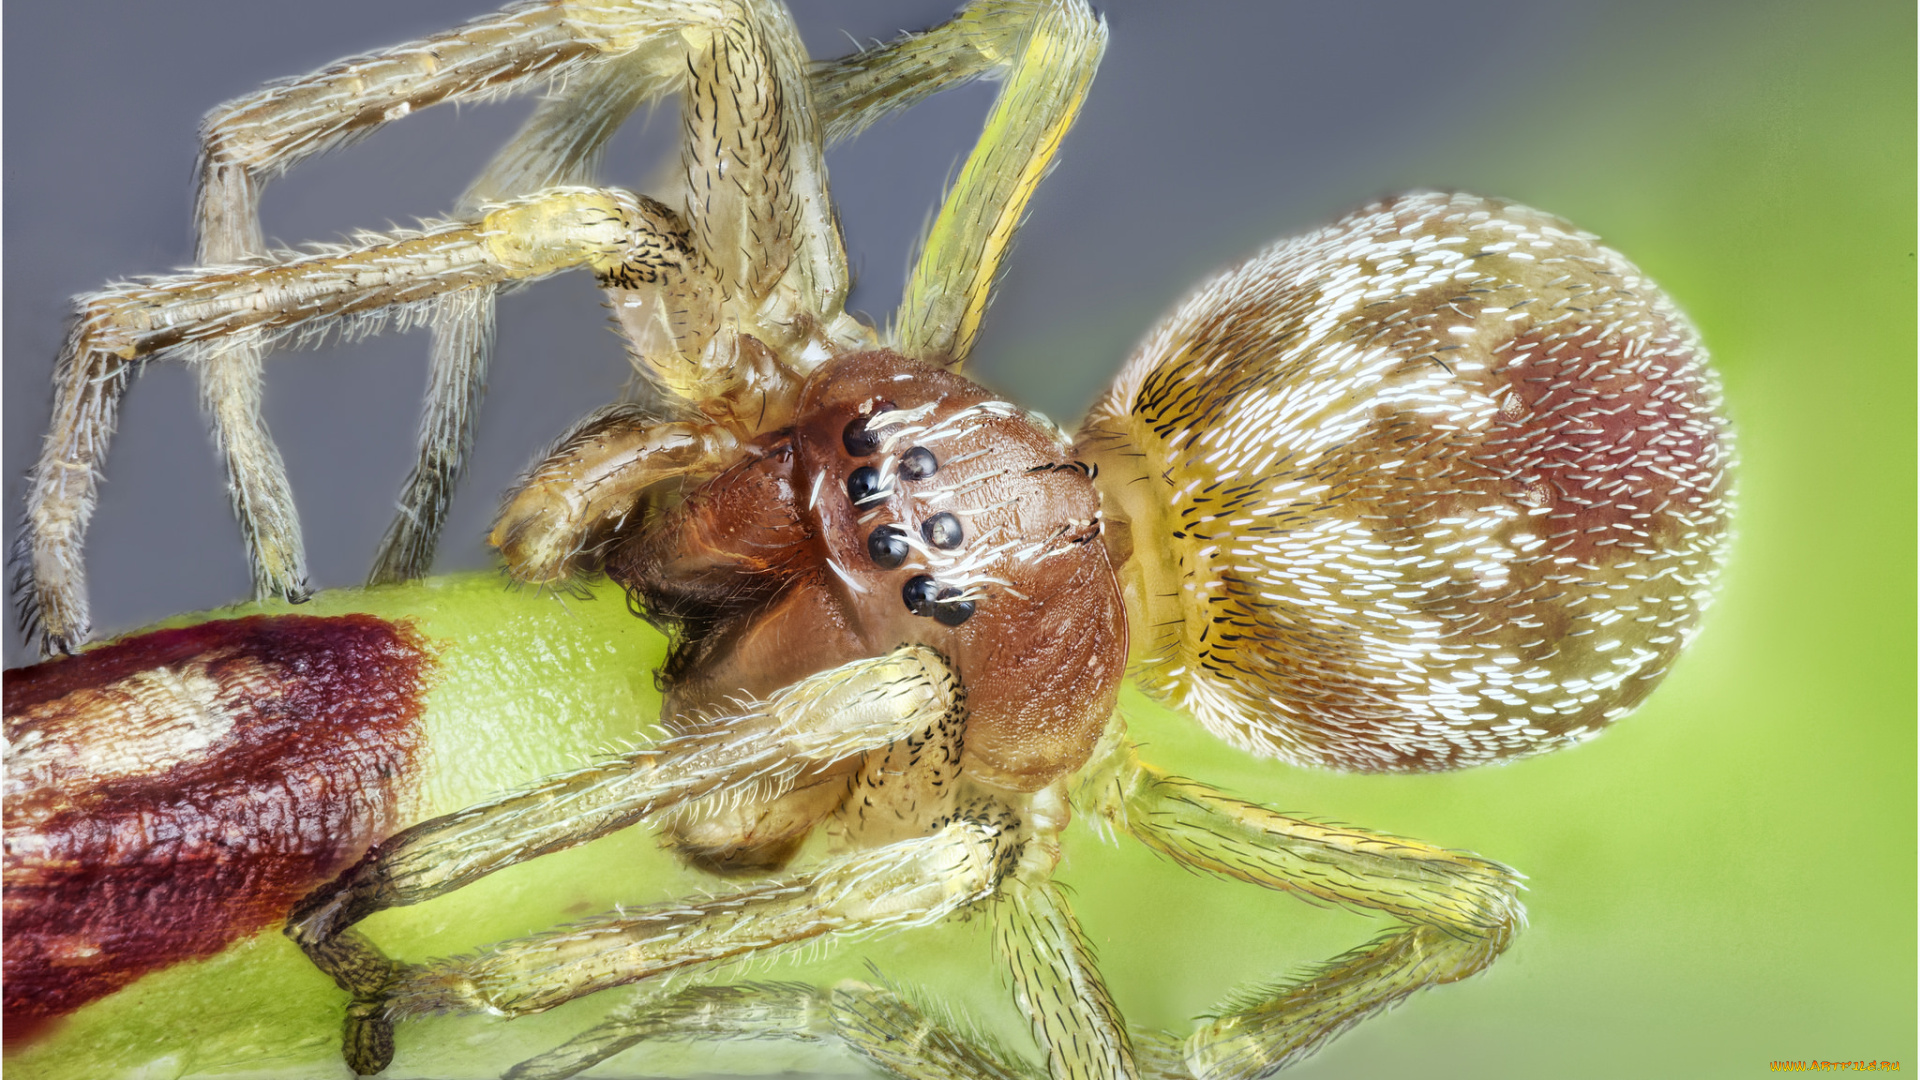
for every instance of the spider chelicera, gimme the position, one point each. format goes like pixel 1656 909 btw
pixel 1441 484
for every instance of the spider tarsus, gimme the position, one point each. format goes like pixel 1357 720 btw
pixel 405 553
pixel 367 1041
pixel 28 615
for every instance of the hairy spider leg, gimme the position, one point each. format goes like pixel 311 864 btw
pixel 812 726
pixel 759 218
pixel 1056 981
pixel 898 1035
pixel 343 289
pixel 907 883
pixel 461 327
pixel 774 205
pixel 584 489
pixel 1056 975
pixel 1460 911
pixel 560 145
pixel 246 142
pixel 760 261
pixel 802 734
pixel 1048 53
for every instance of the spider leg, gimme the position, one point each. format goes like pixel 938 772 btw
pixel 743 117
pixel 1460 911
pixel 257 487
pixel 754 186
pixel 563 140
pixel 908 883
pixel 854 92
pixel 462 328
pixel 560 144
pixel 799 735
pixel 582 491
pixel 755 191
pixel 1056 978
pixel 1048 51
pixel 1056 982
pixel 898 1036
pixel 614 233
pixel 806 729
pixel 877 1022
pixel 247 141
pixel 619 53
pixel 748 1011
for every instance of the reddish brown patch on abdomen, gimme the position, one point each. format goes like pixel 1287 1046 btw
pixel 172 793
pixel 1605 438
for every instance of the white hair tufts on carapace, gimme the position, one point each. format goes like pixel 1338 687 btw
pixel 1443 483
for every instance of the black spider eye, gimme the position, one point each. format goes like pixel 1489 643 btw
pixel 952 612
pixel 942 531
pixel 887 547
pixel 858 440
pixel 925 596
pixel 862 483
pixel 918 464
pixel 920 592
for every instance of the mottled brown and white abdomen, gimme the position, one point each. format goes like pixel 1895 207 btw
pixel 1443 483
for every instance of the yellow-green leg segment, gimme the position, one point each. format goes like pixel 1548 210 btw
pixel 1459 911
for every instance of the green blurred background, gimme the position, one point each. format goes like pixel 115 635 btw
pixel 1725 880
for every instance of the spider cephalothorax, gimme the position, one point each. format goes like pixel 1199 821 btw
pixel 905 505
pixel 1444 483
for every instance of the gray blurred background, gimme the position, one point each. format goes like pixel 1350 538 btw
pixel 1213 128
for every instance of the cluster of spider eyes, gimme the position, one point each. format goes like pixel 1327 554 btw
pixel 887 545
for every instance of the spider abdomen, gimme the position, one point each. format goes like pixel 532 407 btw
pixel 1443 483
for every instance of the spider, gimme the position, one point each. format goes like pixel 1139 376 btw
pixel 1441 484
